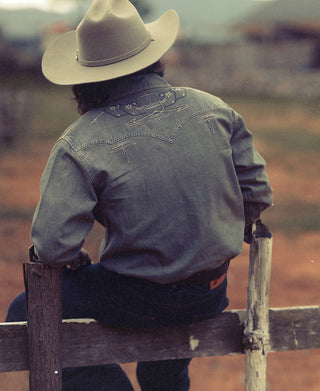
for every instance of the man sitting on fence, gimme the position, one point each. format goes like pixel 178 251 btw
pixel 171 174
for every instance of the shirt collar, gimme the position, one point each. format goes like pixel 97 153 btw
pixel 137 83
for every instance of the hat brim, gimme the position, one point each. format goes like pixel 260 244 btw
pixel 59 64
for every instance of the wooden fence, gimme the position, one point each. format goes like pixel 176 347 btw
pixel 15 115
pixel 45 344
pixel 275 69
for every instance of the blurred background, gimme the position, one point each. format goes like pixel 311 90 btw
pixel 261 57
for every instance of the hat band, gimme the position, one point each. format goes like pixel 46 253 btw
pixel 112 60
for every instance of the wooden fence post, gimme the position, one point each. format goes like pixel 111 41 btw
pixel 256 333
pixel 44 316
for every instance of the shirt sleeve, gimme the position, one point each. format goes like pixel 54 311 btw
pixel 64 215
pixel 250 168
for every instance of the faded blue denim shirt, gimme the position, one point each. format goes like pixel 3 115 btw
pixel 171 174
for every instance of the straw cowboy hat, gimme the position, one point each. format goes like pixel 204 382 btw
pixel 111 41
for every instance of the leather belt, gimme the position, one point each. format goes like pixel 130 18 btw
pixel 215 283
pixel 215 277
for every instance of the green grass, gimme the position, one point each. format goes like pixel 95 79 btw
pixel 289 216
pixel 9 213
pixel 273 105
pixel 55 111
pixel 290 140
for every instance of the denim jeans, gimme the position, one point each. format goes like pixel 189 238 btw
pixel 93 292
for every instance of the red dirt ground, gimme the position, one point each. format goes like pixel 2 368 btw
pixel 294 281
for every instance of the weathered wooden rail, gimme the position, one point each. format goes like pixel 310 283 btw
pixel 45 344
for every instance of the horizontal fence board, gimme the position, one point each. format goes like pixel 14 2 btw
pixel 295 328
pixel 86 342
pixel 104 345
pixel 13 347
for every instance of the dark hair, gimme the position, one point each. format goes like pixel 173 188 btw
pixel 92 95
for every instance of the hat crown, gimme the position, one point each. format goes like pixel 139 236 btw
pixel 111 31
